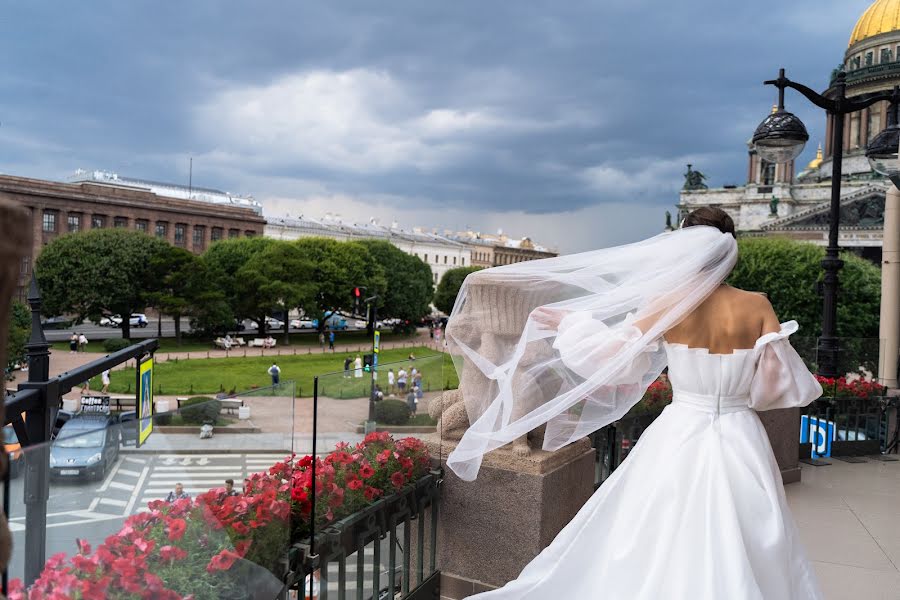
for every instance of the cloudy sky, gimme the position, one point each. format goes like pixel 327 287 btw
pixel 570 122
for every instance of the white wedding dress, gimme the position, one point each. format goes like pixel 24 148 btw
pixel 697 511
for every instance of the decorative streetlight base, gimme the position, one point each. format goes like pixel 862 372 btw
pixel 369 427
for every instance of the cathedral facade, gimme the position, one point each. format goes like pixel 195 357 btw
pixel 777 201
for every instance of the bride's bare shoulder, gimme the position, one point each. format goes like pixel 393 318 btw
pixel 756 305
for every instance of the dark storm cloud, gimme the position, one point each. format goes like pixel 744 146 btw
pixel 529 106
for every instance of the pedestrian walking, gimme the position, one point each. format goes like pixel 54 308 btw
pixel 411 401
pixel 331 340
pixel 417 380
pixel 357 367
pixel 347 362
pixel 322 340
pixel 82 342
pixel 275 372
pixel 177 494
pixel 401 380
pixel 391 381
pixel 104 378
pixel 73 343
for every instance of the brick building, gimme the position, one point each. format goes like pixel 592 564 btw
pixel 60 208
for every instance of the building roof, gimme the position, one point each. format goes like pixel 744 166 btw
pixel 172 190
pixel 372 229
pixel 882 16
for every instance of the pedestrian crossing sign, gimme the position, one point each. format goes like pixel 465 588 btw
pixel 376 342
pixel 145 401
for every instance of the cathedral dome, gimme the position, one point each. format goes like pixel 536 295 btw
pixel 881 17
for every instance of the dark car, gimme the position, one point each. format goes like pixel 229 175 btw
pixel 56 323
pixel 86 447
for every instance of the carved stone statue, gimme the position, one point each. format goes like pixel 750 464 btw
pixel 693 180
pixel 773 206
pixel 668 220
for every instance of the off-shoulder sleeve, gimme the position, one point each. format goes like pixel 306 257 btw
pixel 584 343
pixel 781 379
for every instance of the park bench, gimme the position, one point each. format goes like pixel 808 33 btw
pixel 229 404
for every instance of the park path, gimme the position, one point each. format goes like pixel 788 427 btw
pixel 62 361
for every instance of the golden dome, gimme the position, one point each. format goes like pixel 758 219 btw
pixel 814 163
pixel 881 17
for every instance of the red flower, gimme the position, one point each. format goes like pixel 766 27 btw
pixel 355 484
pixel 172 553
pixel 222 561
pixel 366 471
pixel 83 546
pixel 397 479
pixel 371 493
pixel 176 528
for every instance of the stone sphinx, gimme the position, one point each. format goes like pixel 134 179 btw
pixel 495 314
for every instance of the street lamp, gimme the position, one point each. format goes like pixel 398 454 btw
pixel 781 138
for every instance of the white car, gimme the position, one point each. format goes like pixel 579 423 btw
pixel 302 324
pixel 110 321
pixel 273 323
pixel 360 324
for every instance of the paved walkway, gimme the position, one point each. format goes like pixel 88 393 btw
pixel 849 519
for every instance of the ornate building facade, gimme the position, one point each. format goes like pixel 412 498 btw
pixel 777 201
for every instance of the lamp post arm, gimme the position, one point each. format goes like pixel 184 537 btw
pixel 812 95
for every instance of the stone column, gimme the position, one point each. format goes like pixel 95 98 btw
pixel 889 328
pixel 783 427
pixel 15 238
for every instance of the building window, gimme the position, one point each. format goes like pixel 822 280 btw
pixel 73 222
pixel 855 130
pixel 142 225
pixel 199 236
pixel 454 260
pixel 885 55
pixel 435 277
pixel 874 123
pixel 768 173
pixel 162 229
pixel 426 258
pixel 856 61
pixel 463 259
pixel 25 266
pixel 869 59
pixel 233 233
pixel 120 222
pixel 216 234
pixel 50 221
pixel 98 222
pixel 180 234
pixel 249 233
pixel 445 259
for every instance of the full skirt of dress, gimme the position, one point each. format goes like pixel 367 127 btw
pixel 697 511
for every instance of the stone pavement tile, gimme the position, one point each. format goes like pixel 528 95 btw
pixel 873 503
pixel 842 582
pixel 892 549
pixel 840 522
pixel 884 528
pixel 804 494
pixel 860 550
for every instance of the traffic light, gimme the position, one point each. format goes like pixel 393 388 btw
pixel 368 362
pixel 356 295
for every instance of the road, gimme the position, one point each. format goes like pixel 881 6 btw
pixel 92 511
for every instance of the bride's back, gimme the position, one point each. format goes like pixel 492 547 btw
pixel 727 320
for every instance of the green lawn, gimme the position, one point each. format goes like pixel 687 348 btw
pixel 297 339
pixel 212 375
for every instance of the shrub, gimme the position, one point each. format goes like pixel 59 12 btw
pixel 115 344
pixel 200 409
pixel 392 412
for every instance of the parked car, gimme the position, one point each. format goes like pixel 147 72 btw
pixel 303 324
pixel 138 320
pixel 56 323
pixel 273 323
pixel 86 447
pixel 110 321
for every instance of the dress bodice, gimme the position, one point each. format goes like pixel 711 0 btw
pixel 769 375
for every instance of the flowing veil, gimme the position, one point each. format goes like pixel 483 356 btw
pixel 613 306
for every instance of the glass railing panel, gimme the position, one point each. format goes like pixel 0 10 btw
pixel 182 514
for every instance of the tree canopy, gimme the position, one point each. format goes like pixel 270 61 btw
pixel 789 272
pixel 17 336
pixel 409 281
pixel 448 288
pixel 96 272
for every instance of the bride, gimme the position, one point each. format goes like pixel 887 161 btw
pixel 697 511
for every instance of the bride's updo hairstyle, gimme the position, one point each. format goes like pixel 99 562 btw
pixel 714 217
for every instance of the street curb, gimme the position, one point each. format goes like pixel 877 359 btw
pixel 203 451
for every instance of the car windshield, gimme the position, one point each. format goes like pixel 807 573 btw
pixel 79 438
pixel 9 435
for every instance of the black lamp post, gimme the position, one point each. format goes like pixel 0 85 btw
pixel 781 137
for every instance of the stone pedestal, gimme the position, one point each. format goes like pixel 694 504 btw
pixel 490 528
pixel 783 427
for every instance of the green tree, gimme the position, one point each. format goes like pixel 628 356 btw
pixel 410 288
pixel 100 271
pixel 338 267
pixel 789 272
pixel 17 337
pixel 279 275
pixel 224 260
pixel 448 288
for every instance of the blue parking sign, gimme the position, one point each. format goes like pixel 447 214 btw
pixel 819 433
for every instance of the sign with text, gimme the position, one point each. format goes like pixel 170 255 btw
pixel 145 401
pixel 95 404
pixel 377 342
pixel 819 433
